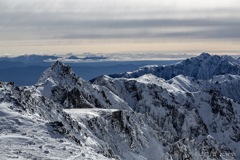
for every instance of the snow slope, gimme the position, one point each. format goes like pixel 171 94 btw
pixel 33 127
pixel 228 85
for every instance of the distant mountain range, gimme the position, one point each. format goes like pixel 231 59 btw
pixel 38 59
pixel 29 59
pixel 26 69
pixel 189 110
pixel 204 66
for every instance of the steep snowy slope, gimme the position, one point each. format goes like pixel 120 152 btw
pixel 204 66
pixel 33 127
pixel 228 85
pixel 135 136
pixel 184 114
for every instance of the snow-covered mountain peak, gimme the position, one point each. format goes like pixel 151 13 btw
pixel 204 66
pixel 204 55
pixel 206 59
pixel 60 74
pixel 60 69
pixel 58 64
pixel 64 87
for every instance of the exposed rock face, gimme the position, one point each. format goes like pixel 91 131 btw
pixel 184 114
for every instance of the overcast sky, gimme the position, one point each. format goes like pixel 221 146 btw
pixel 167 26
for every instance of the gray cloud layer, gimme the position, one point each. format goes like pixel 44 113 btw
pixel 36 20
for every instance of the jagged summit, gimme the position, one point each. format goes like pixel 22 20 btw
pixel 204 55
pixel 60 74
pixel 207 58
pixel 62 85
pixel 58 64
pixel 60 68
pixel 204 66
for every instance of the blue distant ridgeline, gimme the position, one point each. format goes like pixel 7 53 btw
pixel 26 69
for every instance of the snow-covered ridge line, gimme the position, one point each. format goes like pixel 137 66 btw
pixel 204 66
